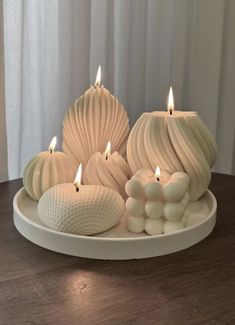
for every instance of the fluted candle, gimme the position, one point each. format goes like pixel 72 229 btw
pixel 94 119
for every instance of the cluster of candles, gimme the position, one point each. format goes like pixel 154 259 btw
pixel 179 142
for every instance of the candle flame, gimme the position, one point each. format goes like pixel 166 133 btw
pixel 77 181
pixel 171 105
pixel 98 77
pixel 52 144
pixel 157 173
pixel 108 150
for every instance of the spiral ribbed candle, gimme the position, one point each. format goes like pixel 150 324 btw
pixel 178 142
pixel 112 172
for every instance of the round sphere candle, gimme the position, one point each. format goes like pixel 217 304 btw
pixel 80 209
pixel 47 169
pixel 175 140
pixel 107 169
pixel 94 119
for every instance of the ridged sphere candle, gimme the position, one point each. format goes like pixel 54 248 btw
pixel 47 169
pixel 94 119
pixel 177 141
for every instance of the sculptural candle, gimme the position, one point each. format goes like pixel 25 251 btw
pixel 156 203
pixel 107 169
pixel 175 140
pixel 47 169
pixel 80 209
pixel 94 119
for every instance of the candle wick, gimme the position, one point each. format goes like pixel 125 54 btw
pixel 50 150
pixel 170 111
pixel 158 179
pixel 77 187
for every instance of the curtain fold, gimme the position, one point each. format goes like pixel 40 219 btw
pixel 3 136
pixel 53 49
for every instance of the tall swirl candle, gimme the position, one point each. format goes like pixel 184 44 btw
pixel 94 119
pixel 175 140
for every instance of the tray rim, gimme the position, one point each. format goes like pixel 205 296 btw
pixel 93 237
pixel 20 217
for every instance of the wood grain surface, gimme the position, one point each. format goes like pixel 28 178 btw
pixel 195 286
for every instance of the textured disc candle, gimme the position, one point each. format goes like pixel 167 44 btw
pixel 91 210
pixel 107 169
pixel 177 142
pixel 47 169
pixel 94 119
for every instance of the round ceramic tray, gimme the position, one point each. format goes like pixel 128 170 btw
pixel 116 243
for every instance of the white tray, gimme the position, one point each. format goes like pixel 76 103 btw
pixel 117 243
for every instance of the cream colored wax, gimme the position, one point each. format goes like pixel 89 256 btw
pixel 80 209
pixel 107 169
pixel 176 141
pixel 94 119
pixel 154 200
pixel 47 169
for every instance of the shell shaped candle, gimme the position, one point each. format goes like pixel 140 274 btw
pixel 177 141
pixel 47 169
pixel 107 169
pixel 94 119
pixel 87 210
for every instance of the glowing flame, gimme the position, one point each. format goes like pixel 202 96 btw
pixel 108 150
pixel 98 77
pixel 158 173
pixel 171 105
pixel 52 145
pixel 77 181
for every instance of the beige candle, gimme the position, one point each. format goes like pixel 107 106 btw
pixel 80 209
pixel 47 169
pixel 175 140
pixel 94 119
pixel 107 169
pixel 156 199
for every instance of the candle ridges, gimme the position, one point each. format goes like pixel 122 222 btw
pixel 46 170
pixel 180 142
pixel 94 119
pixel 113 172
pixel 92 210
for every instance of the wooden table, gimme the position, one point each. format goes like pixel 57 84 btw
pixel 195 286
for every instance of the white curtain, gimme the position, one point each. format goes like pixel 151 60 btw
pixel 3 139
pixel 53 49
